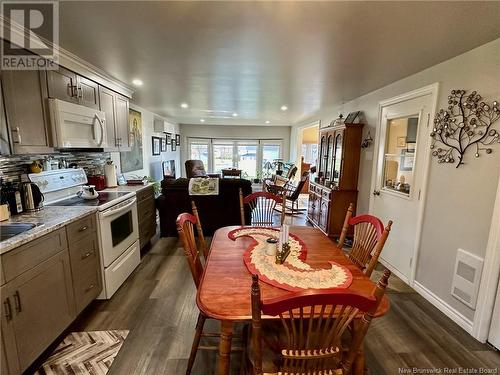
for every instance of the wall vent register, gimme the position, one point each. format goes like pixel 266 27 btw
pixel 466 277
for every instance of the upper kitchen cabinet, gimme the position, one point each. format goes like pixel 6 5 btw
pixel 68 86
pixel 115 106
pixel 25 96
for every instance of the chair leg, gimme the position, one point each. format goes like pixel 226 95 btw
pixel 196 342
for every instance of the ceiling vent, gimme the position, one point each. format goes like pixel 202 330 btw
pixel 466 277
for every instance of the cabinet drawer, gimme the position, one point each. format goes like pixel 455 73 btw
pixel 144 194
pixel 82 253
pixel 87 285
pixel 146 208
pixel 326 194
pixel 81 228
pixel 33 253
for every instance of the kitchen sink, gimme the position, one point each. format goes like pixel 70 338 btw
pixel 10 230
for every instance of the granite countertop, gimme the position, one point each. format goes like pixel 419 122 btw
pixel 47 220
pixel 127 188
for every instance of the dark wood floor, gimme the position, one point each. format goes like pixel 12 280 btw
pixel 157 305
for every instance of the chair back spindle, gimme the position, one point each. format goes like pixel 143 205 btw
pixel 262 206
pixel 185 228
pixel 199 230
pixel 368 241
pixel 313 324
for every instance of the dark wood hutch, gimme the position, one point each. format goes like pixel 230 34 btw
pixel 335 184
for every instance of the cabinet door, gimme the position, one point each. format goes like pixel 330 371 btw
pixel 62 85
pixel 88 92
pixel 311 208
pixel 323 215
pixel 121 124
pixel 8 354
pixel 107 105
pixel 43 306
pixel 25 106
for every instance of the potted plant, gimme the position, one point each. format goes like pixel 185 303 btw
pixel 258 177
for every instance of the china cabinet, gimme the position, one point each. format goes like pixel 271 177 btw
pixel 336 183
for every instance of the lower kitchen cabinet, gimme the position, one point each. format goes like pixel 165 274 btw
pixel 38 306
pixel 48 282
pixel 146 212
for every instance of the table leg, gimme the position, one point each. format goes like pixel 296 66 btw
pixel 225 347
pixel 358 367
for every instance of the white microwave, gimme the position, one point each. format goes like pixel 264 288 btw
pixel 77 126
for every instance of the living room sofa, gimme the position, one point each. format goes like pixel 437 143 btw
pixel 215 211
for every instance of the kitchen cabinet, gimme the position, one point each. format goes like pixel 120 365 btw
pixel 43 306
pixel 335 187
pixel 88 92
pixel 146 212
pixel 85 263
pixel 25 97
pixel 62 85
pixel 66 85
pixel 47 282
pixel 116 107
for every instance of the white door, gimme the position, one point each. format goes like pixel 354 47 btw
pixel 494 336
pixel 403 143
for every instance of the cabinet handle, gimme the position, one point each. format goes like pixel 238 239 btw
pixel 72 90
pixel 17 302
pixel 82 229
pixel 18 134
pixel 376 192
pixel 8 310
pixel 87 254
pixel 79 92
pixel 89 288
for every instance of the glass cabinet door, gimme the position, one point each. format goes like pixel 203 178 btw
pixel 337 165
pixel 323 156
pixel 329 158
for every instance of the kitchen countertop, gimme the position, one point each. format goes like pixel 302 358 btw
pixel 127 188
pixel 48 219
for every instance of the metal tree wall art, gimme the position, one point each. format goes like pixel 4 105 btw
pixel 467 123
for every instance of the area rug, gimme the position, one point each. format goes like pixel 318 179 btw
pixel 84 353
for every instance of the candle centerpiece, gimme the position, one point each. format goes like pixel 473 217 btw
pixel 283 246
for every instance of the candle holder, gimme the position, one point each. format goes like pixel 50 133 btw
pixel 282 253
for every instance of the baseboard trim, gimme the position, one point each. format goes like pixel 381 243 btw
pixel 394 270
pixel 444 307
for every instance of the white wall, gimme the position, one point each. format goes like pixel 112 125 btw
pixel 237 131
pixel 147 132
pixel 459 205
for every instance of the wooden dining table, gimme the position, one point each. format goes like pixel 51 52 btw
pixel 224 291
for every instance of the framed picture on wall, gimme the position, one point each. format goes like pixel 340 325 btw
pixel 173 144
pixel 155 145
pixel 168 137
pixel 401 142
pixel 163 145
pixel 177 139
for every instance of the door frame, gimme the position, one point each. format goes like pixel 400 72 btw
pixel 489 279
pixel 424 147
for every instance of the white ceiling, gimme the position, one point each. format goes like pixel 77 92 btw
pixel 251 58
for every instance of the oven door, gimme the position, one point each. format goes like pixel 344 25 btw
pixel 119 229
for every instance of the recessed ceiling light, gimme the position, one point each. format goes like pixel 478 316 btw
pixel 137 82
pixel 267 122
pixel 184 105
pixel 202 120
pixel 284 107
pixel 235 114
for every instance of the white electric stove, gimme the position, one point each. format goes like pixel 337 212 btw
pixel 118 227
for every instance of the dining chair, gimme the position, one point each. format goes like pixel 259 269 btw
pixel 199 230
pixel 185 228
pixel 309 340
pixel 368 241
pixel 262 206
